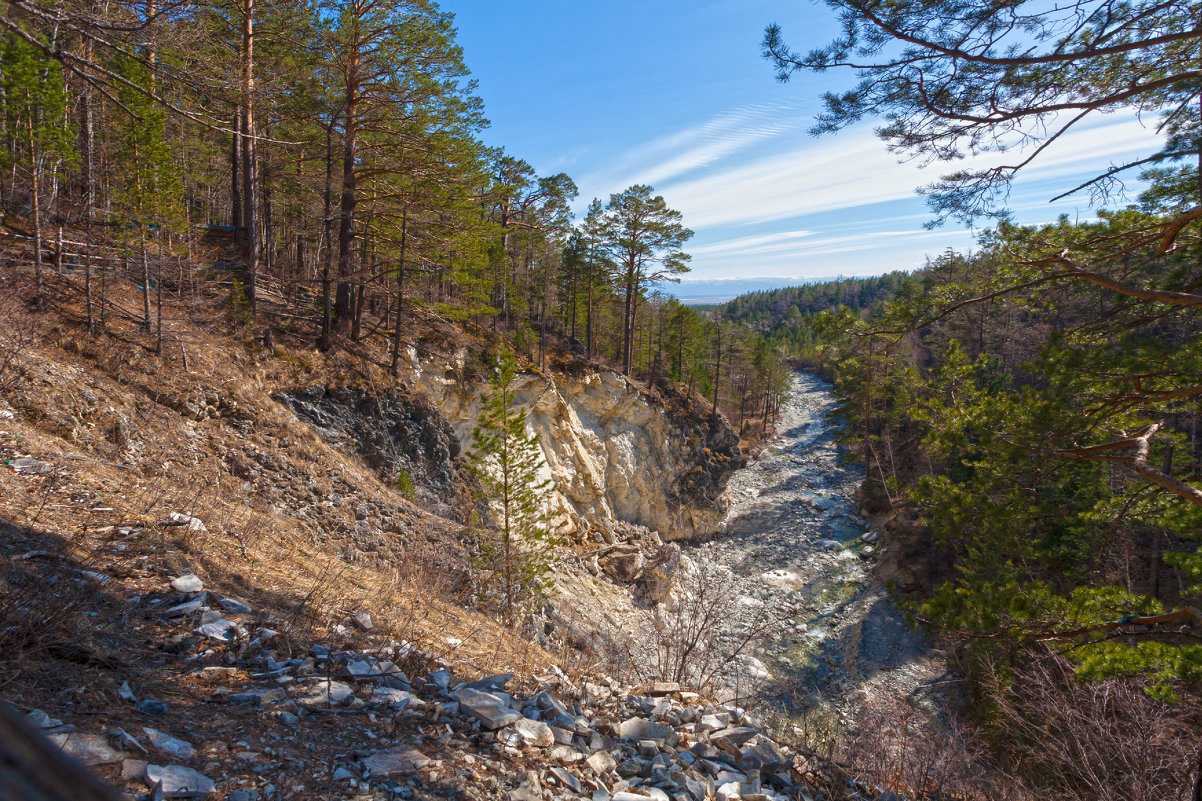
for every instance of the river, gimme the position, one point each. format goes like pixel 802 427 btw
pixel 794 551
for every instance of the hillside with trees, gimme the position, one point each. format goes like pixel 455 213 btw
pixel 785 317
pixel 1028 414
pixel 322 168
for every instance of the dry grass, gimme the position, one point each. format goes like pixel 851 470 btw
pixel 119 428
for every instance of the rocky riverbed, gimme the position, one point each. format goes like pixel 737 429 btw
pixel 800 558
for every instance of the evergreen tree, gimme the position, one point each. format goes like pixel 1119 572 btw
pixel 645 238
pixel 516 551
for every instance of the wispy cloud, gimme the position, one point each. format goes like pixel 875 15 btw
pixel 687 151
pixel 764 243
pixel 760 193
pixel 854 169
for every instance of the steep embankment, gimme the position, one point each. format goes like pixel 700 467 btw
pixel 187 564
pixel 616 452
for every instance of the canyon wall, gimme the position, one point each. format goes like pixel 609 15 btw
pixel 615 451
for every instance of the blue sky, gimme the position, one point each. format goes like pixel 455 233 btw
pixel 676 94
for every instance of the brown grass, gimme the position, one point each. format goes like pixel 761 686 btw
pixel 118 425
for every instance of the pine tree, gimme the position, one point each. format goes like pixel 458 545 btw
pixel 516 551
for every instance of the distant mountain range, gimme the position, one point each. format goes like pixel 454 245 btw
pixel 705 291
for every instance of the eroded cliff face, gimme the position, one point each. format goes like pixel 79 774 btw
pixel 615 452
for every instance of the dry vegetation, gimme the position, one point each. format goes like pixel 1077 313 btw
pixel 108 440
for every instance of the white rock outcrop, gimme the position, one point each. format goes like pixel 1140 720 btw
pixel 615 452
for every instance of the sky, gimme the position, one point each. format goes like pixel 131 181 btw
pixel 676 94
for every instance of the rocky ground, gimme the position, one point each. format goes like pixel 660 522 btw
pixel 785 603
pixel 802 559
pixel 254 719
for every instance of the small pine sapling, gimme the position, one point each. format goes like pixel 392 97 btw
pixel 516 552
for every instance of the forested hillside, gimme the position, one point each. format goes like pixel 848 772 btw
pixel 320 168
pixel 1029 423
pixel 1028 414
pixel 784 317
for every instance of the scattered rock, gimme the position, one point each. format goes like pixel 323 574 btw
pixel 362 620
pixel 401 761
pixel 491 709
pixel 187 521
pixel 661 688
pixel 43 721
pixel 234 606
pixel 169 745
pixel 152 706
pixel 90 749
pixel 326 693
pixel 221 630
pixel 492 683
pixel 188 583
pixel 566 779
pixel 187 607
pixel 177 781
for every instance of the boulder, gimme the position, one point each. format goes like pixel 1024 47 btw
pixel 400 761
pixel 601 763
pixel 177 781
pixel 491 709
pixel 641 729
pixel 625 566
pixel 535 732
pixel 732 737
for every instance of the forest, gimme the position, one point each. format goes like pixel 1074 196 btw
pixel 1033 448
pixel 319 168
pixel 1027 413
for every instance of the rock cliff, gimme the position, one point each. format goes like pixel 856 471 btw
pixel 615 451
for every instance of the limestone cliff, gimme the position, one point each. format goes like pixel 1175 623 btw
pixel 615 451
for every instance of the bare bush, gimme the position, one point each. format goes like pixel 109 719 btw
pixel 17 335
pixel 1078 741
pixel 44 594
pixel 897 745
pixel 706 632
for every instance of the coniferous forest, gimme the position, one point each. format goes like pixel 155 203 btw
pixel 321 166
pixel 1027 414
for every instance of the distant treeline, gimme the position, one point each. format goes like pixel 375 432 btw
pixel 784 316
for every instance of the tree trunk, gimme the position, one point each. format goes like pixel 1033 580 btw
pixel 88 177
pixel 346 219
pixel 40 297
pixel 158 296
pixel 628 322
pixel 327 257
pixel 236 174
pixel 249 153
pixel 145 278
pixel 400 300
